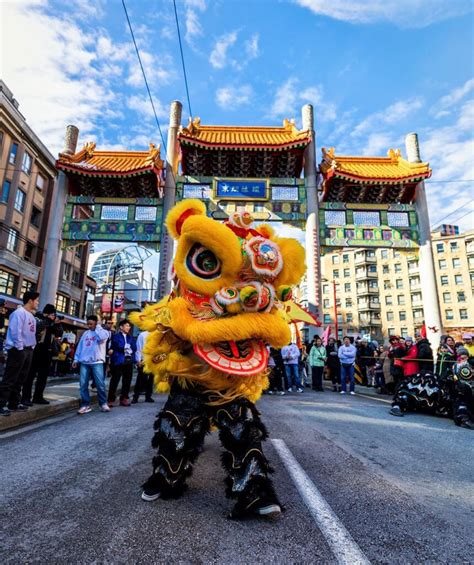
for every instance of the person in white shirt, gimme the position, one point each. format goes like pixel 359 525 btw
pixel 291 357
pixel 20 343
pixel 90 355
pixel 144 380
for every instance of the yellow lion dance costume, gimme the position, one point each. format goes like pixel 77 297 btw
pixel 207 345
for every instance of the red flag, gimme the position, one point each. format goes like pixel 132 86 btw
pixel 423 331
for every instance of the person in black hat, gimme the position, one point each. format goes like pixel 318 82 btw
pixel 48 327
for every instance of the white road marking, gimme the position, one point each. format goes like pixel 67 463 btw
pixel 343 546
pixel 45 422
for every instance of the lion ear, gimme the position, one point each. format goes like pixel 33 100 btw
pixel 181 212
pixel 266 230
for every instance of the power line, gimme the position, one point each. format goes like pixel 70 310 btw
pixel 454 211
pixel 182 58
pixel 144 75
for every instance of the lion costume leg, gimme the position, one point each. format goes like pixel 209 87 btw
pixel 241 432
pixel 180 429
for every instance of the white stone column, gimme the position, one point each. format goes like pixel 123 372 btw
pixel 169 198
pixel 429 289
pixel 52 262
pixel 313 253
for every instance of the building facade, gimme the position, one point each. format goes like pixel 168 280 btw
pixel 378 292
pixel 27 185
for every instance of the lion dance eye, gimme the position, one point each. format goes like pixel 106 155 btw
pixel 202 262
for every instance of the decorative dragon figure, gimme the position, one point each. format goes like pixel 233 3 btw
pixel 207 345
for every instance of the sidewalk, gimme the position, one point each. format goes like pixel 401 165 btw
pixel 63 396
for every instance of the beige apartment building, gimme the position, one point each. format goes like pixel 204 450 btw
pixel 27 187
pixel 378 292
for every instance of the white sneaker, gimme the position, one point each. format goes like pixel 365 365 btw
pixel 299 389
pixel 352 392
pixel 342 392
pixel 84 410
pixel 105 408
pixel 290 389
pixel 281 393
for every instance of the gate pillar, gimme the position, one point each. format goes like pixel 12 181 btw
pixel 313 255
pixel 169 198
pixel 429 291
pixel 52 262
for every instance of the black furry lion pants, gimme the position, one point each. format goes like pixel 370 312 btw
pixel 180 429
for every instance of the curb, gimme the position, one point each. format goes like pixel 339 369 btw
pixel 38 413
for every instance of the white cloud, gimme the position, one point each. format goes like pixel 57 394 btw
pixel 289 97
pixel 67 71
pixel 403 13
pixel 251 46
pixel 391 115
pixel 443 107
pixel 218 56
pixel 142 105
pixel 192 23
pixel 233 97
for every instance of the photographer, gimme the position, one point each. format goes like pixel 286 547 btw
pixel 48 327
pixel 122 357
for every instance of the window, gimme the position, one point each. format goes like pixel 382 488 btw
pixel 444 280
pixel 399 283
pixel 373 284
pixel 404 332
pixel 401 300
pixel 442 263
pixel 446 297
pixel 412 266
pixel 414 282
pixel 335 259
pixel 370 254
pixel 372 268
pixel 345 258
pixel 13 152
pixel 338 301
pixel 456 263
pixel 417 314
pixel 66 271
pixel 388 300
pixel 402 316
pixel 61 303
pixel 26 165
pixel 461 296
pixel 384 254
pixel 416 297
pixel 75 278
pixel 396 254
pixel 29 252
pixel 398 268
pixel 470 262
pixel 391 331
pixel 40 182
pixel 449 314
pixel 463 314
pixel 335 273
pixel 387 285
pixel 454 245
pixel 35 219
pixel 347 272
pixel 347 287
pixel 389 316
pixel 349 317
pixel 339 319
pixel 20 198
pixel 78 251
pixel 26 286
pixel 327 318
pixel 326 303
pixel 74 308
pixel 5 190
pixel 348 302
pixel 325 288
pixel 457 279
pixel 12 240
pixel 440 247
pixel 8 283
pixel 385 269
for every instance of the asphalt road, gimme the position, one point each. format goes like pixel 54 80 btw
pixel 398 490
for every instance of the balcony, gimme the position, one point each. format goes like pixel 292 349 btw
pixel 368 305
pixel 366 274
pixel 367 290
pixel 361 259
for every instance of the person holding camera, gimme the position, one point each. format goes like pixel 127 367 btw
pixel 122 357
pixel 48 327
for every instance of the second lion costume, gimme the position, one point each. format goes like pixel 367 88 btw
pixel 207 345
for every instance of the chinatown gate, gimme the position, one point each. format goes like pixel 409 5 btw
pixel 271 172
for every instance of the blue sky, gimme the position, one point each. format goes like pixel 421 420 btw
pixel 374 70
